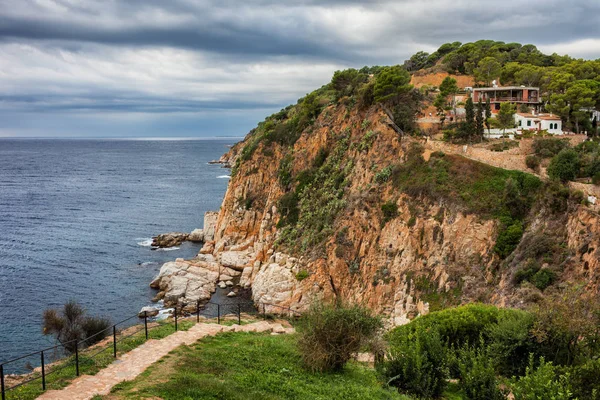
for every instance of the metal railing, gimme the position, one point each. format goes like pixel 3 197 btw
pixel 221 310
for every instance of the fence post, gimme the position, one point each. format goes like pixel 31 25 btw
pixel 239 314
pixel 175 318
pixel 76 357
pixel 2 389
pixel 264 311
pixel 146 323
pixel 218 314
pixel 43 372
pixel 198 311
pixel 114 341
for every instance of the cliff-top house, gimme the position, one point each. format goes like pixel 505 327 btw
pixel 518 95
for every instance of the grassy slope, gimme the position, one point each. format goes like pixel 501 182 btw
pixel 248 366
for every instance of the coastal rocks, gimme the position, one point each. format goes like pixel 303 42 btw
pixel 196 236
pixel 274 284
pixel 236 260
pixel 185 282
pixel 171 239
pixel 210 222
pixel 148 312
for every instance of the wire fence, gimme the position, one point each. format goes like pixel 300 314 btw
pixel 81 352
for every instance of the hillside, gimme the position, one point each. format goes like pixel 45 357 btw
pixel 339 196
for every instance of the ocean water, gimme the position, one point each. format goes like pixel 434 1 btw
pixel 76 219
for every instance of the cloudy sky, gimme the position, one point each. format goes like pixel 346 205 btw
pixel 180 68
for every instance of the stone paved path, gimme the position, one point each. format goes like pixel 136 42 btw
pixel 131 364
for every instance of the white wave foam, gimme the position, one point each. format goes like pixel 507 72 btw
pixel 148 263
pixel 167 249
pixel 145 242
pixel 223 177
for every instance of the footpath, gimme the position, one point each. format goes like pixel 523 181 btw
pixel 133 363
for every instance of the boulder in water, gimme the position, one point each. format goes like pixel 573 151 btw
pixel 148 311
pixel 171 239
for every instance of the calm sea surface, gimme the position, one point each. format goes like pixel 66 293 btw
pixel 76 217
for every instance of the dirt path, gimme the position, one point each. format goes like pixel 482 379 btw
pixel 131 364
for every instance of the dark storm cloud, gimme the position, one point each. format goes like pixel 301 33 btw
pixel 157 57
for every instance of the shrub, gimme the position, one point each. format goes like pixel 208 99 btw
pixel 543 278
pixel 456 326
pixel 532 162
pixel 564 166
pixel 510 341
pixel 331 334
pixel 541 383
pixel 584 380
pixel 390 211
pixel 596 178
pixel 549 147
pixel 509 237
pixel 416 363
pixel 477 375
pixel 72 323
pixel 383 175
pixel 302 275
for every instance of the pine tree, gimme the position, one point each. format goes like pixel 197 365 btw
pixel 469 118
pixel 488 114
pixel 479 114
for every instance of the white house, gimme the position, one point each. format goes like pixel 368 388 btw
pixel 539 122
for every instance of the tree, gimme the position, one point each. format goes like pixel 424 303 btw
pixel 479 115
pixel 529 75
pixel 564 166
pixel 448 87
pixel 506 117
pixel 441 106
pixel 70 326
pixel 391 83
pixel 469 117
pixel 487 70
pixel 488 114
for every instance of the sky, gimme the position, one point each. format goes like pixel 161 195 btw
pixel 206 68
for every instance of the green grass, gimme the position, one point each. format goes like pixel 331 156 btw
pixel 90 366
pixel 478 187
pixel 249 366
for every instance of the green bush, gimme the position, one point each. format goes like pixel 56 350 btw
pixel 541 383
pixel 509 237
pixel 585 380
pixel 543 278
pixel 331 334
pixel 383 175
pixel 564 166
pixel 549 147
pixel 416 363
pixel 477 376
pixel 456 326
pixel 389 210
pixel 596 178
pixel 302 275
pixel 532 162
pixel 510 342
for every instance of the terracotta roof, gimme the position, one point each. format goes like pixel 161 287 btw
pixel 546 117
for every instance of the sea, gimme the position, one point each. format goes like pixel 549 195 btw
pixel 77 218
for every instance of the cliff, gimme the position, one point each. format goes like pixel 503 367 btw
pixel 363 230
pixel 330 199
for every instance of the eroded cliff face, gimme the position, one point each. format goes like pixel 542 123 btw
pixel 426 254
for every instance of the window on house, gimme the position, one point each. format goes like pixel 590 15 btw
pixel 528 123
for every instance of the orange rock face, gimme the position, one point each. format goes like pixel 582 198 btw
pixel 430 255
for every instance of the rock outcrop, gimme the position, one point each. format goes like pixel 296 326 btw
pixel 171 239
